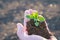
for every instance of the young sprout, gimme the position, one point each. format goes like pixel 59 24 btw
pixel 37 18
pixel 41 18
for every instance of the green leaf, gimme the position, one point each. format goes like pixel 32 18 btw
pixel 41 18
pixel 36 23
pixel 31 17
pixel 35 20
pixel 35 15
pixel 28 16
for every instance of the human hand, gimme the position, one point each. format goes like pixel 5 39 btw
pixel 22 33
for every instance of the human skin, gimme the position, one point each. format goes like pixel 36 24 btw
pixel 23 34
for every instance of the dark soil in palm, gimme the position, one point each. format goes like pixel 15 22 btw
pixel 40 30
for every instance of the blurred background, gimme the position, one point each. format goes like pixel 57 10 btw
pixel 12 12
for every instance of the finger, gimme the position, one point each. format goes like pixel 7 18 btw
pixel 25 19
pixel 28 12
pixel 19 26
pixel 20 32
pixel 47 27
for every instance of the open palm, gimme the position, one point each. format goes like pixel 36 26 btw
pixel 23 34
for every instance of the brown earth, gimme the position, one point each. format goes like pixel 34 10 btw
pixel 38 30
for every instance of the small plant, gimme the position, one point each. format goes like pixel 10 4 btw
pixel 37 18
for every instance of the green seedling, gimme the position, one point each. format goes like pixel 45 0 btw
pixel 36 18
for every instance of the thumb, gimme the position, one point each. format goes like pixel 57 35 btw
pixel 20 32
pixel 19 26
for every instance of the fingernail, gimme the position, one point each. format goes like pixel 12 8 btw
pixel 19 25
pixel 30 10
pixel 27 12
